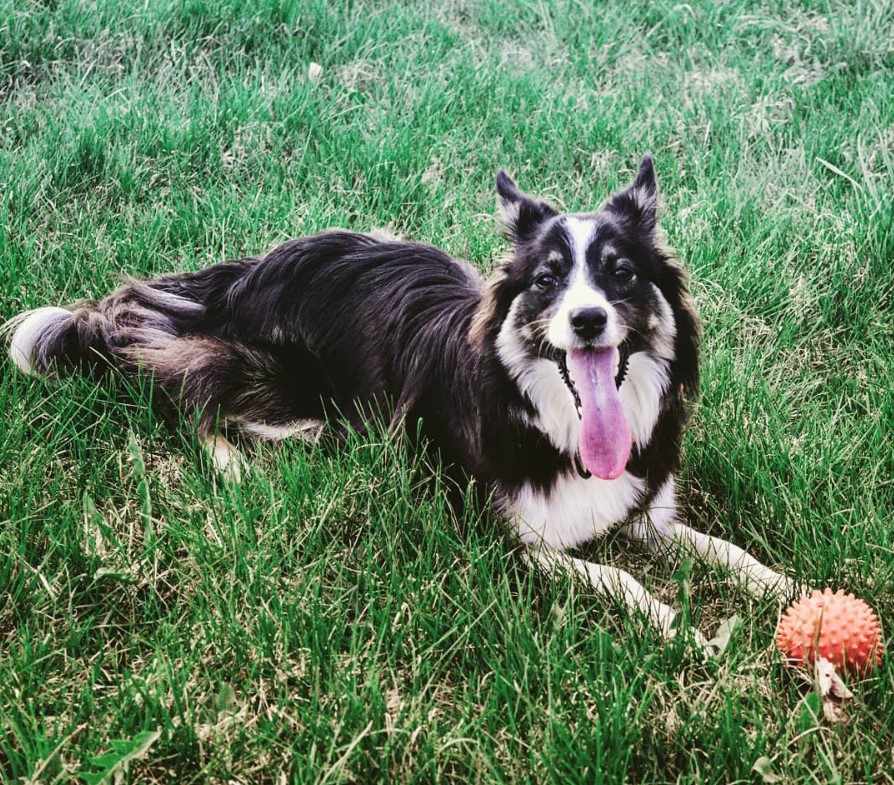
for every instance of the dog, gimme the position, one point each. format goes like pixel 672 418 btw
pixel 560 385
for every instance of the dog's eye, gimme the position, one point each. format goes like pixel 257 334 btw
pixel 545 281
pixel 622 272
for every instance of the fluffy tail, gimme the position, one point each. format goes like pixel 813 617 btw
pixel 51 339
pixel 91 337
pixel 164 328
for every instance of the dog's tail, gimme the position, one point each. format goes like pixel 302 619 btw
pixel 49 340
pixel 91 337
pixel 167 328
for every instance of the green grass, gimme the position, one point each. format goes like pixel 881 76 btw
pixel 329 621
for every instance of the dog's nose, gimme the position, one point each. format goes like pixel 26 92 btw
pixel 587 323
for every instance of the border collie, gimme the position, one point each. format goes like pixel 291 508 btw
pixel 559 385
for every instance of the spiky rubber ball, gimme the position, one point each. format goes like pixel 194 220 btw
pixel 833 625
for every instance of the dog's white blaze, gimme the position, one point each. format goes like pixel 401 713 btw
pixel 574 511
pixel 580 292
pixel 28 328
pixel 580 232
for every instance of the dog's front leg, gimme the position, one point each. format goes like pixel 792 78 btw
pixel 660 530
pixel 611 582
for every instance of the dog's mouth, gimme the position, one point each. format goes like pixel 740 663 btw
pixel 594 376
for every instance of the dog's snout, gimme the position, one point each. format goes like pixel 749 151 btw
pixel 587 323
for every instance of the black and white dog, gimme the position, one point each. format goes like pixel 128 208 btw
pixel 559 385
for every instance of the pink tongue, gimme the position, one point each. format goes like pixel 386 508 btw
pixel 605 439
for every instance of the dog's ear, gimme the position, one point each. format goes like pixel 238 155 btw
pixel 520 213
pixel 639 202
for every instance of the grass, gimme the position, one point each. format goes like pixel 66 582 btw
pixel 329 621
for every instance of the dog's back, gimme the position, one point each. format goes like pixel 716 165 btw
pixel 322 321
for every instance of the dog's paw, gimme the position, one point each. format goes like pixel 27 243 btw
pixel 678 628
pixel 704 648
pixel 725 631
pixel 785 590
pixel 768 584
pixel 226 458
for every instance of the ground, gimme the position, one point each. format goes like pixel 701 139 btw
pixel 329 621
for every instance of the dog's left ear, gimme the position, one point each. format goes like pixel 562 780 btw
pixel 521 214
pixel 640 201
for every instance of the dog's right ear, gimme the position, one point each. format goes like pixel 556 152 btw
pixel 521 214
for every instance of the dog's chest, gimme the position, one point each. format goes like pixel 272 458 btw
pixel 574 511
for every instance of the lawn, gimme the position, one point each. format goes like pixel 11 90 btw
pixel 330 620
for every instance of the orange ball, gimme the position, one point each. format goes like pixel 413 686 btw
pixel 835 626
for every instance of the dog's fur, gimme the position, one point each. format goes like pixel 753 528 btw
pixel 325 329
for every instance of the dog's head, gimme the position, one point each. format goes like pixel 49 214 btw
pixel 585 292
